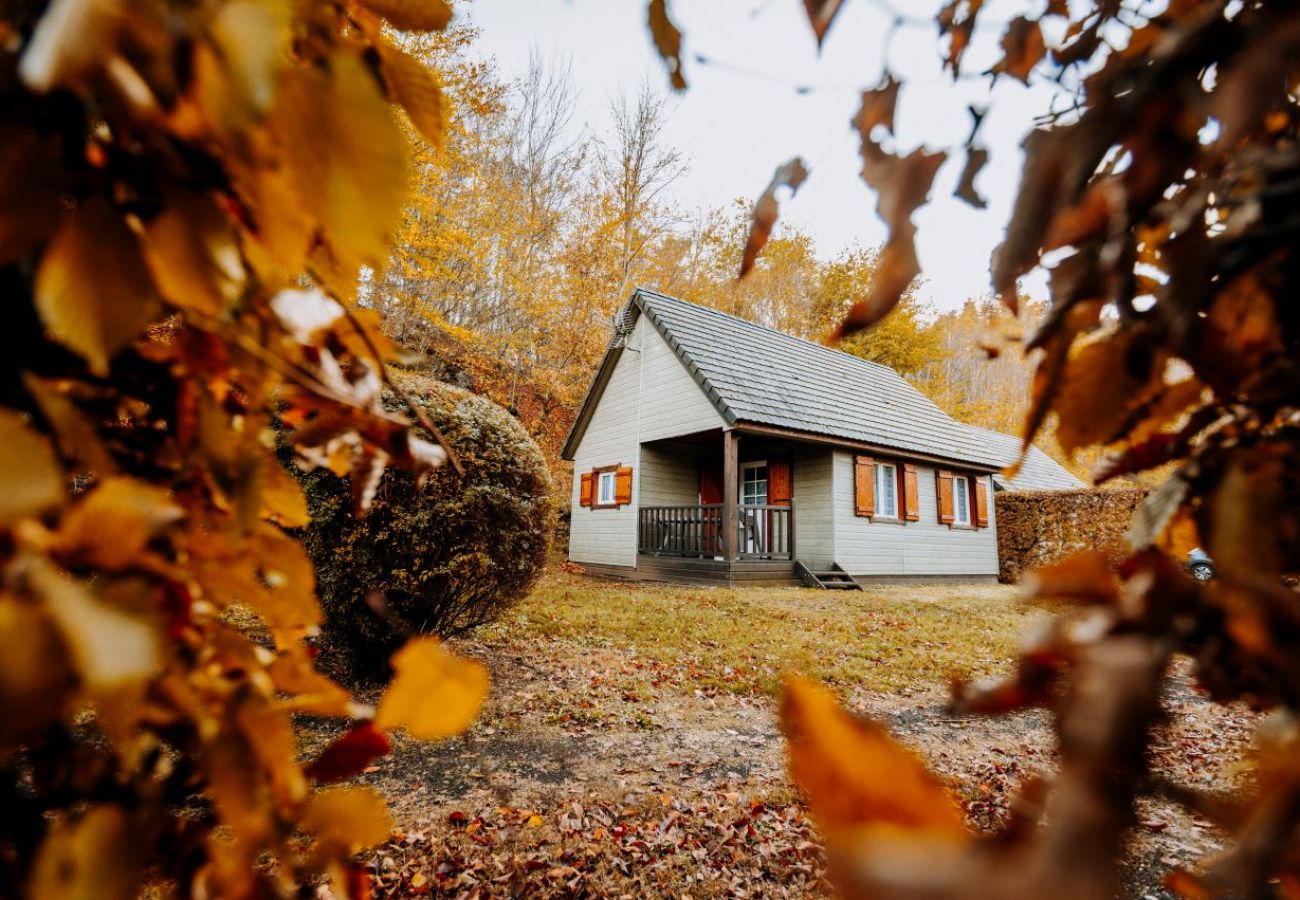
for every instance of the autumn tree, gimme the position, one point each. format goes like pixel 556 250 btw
pixel 1161 191
pixel 190 194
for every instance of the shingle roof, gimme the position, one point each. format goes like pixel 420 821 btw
pixel 756 375
pixel 1039 472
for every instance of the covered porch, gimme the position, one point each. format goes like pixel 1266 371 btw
pixel 720 506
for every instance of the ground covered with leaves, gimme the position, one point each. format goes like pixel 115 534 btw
pixel 631 745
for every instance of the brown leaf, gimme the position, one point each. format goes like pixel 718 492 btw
pixel 901 184
pixel 821 14
pixel 1022 48
pixel 791 173
pixel 412 15
pixel 668 41
pixel 349 755
pixel 36 677
pixel 957 21
pixel 857 780
pixel 976 159
pixel 877 108
pixel 1105 379
pixel 1085 576
pixel 93 291
pixel 30 184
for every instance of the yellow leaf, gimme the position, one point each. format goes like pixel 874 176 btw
pixel 534 821
pixel 111 526
pixel 109 647
pixel 95 856
pixel 238 74
pixel 412 15
pixel 416 88
pixel 93 291
pixel 350 818
pixel 30 478
pixel 434 694
pixel 191 250
pixel 283 501
pixel 857 780
pixel 35 678
pixel 347 156
pixel 309 691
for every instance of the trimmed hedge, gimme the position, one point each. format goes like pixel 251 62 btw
pixel 1036 528
pixel 439 560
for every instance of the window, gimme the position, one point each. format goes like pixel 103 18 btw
pixel 753 484
pixel 887 490
pixel 605 489
pixel 960 500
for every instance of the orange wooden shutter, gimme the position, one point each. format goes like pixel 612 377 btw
pixel 778 483
pixel 584 494
pixel 911 494
pixel 943 486
pixel 981 503
pixel 623 486
pixel 864 486
pixel 710 482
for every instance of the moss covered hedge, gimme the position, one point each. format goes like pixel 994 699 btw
pixel 1036 528
pixel 439 559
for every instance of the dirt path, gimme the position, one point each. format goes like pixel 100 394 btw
pixel 596 772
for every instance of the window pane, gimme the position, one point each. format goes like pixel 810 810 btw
pixel 961 499
pixel 886 490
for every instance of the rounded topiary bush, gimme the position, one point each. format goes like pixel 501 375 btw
pixel 439 559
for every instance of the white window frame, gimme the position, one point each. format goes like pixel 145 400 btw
pixel 961 489
pixel 606 480
pixel 883 479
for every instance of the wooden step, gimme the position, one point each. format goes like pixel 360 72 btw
pixel 834 578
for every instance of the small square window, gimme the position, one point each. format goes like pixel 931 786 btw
pixel 886 491
pixel 605 489
pixel 960 500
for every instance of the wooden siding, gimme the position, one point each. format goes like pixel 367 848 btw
pixel 670 476
pixel 649 396
pixel 814 520
pixel 923 548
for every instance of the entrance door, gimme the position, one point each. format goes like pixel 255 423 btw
pixel 753 492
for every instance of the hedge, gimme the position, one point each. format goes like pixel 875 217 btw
pixel 438 560
pixel 1040 527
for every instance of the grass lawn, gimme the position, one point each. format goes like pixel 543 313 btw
pixel 884 638
pixel 630 745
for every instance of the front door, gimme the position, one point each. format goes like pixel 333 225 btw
pixel 753 493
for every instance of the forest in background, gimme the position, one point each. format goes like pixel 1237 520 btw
pixel 528 230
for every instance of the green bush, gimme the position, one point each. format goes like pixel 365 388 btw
pixel 441 559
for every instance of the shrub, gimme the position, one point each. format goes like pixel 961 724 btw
pixel 438 559
pixel 1037 528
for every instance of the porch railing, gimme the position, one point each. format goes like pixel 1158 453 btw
pixel 762 532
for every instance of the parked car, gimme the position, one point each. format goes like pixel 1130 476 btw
pixel 1200 565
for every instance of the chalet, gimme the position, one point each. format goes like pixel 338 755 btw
pixel 711 449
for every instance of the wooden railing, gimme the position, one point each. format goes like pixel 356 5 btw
pixel 762 532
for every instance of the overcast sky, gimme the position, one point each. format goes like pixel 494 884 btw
pixel 744 112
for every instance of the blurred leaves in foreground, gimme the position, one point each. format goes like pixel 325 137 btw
pixel 188 195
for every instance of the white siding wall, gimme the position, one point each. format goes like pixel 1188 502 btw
pixel 669 477
pixel 650 395
pixel 814 515
pixel 924 547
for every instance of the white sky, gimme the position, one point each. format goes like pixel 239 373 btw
pixel 737 126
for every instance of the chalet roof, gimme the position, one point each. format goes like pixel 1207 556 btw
pixel 1039 472
pixel 758 376
pixel 761 376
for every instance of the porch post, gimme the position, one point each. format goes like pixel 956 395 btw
pixel 730 488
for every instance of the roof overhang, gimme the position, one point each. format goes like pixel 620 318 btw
pixel 813 437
